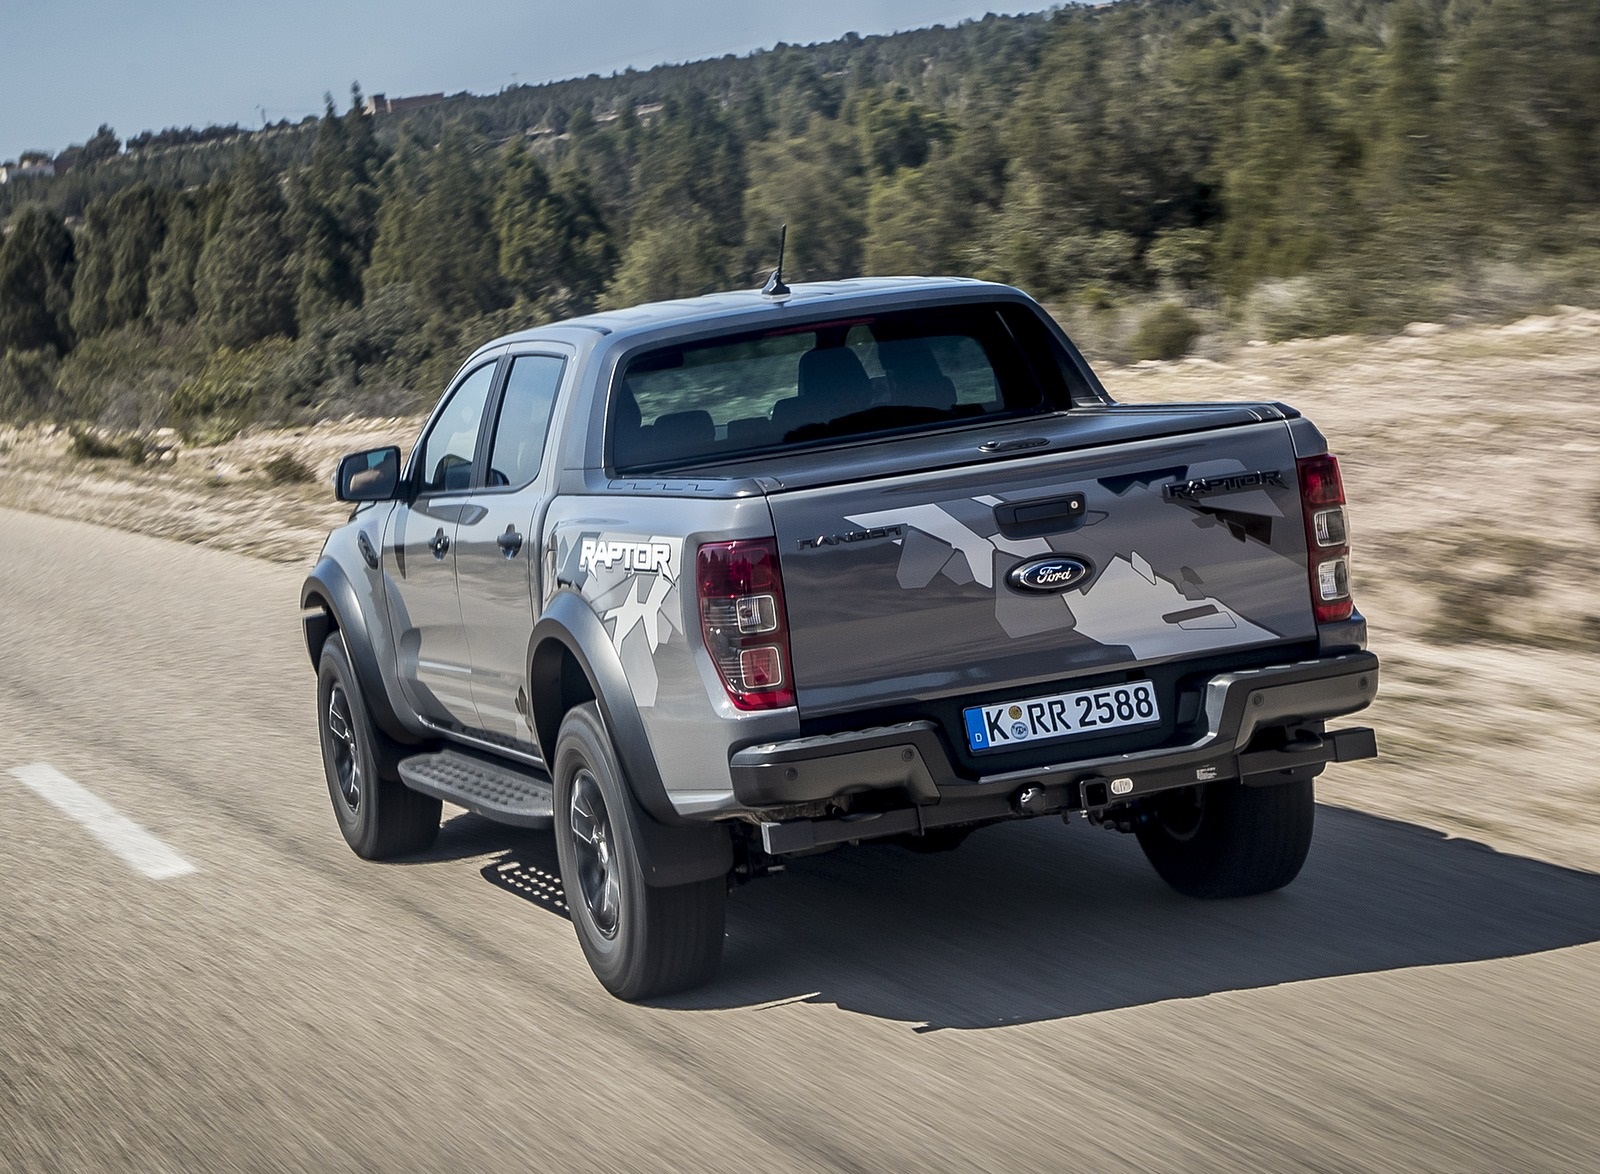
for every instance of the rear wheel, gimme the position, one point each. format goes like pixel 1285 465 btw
pixel 640 940
pixel 1229 840
pixel 378 816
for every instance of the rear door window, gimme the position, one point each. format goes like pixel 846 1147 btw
pixel 524 422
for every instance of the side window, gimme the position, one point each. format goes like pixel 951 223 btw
pixel 524 422
pixel 446 462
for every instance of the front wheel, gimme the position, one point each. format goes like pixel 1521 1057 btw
pixel 640 940
pixel 1227 840
pixel 378 816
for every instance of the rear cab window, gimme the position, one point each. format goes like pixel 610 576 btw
pixel 904 371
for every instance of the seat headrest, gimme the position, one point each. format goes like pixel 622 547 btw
pixel 682 434
pixel 834 378
pixel 915 374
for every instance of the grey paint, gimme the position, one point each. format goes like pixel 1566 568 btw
pixel 925 613
pixel 435 665
pixel 496 605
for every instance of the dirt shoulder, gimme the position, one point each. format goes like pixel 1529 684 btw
pixel 233 496
pixel 1472 460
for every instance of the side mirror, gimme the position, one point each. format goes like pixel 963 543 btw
pixel 373 475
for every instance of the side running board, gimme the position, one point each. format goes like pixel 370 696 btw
pixel 490 788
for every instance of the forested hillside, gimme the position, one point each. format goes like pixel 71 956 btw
pixel 1317 167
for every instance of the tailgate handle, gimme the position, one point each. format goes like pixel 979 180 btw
pixel 1031 519
pixel 1014 445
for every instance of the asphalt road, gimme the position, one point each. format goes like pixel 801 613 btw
pixel 1036 1001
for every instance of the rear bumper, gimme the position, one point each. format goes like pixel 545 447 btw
pixel 911 759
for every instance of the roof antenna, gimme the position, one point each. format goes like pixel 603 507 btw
pixel 775 290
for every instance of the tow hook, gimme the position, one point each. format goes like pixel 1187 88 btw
pixel 1030 800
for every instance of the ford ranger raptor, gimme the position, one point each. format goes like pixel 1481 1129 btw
pixel 708 584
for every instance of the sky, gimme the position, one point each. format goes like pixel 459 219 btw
pixel 66 66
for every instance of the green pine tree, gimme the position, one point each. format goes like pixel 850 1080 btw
pixel 172 271
pixel 334 206
pixel 244 285
pixel 555 250
pixel 815 186
pixel 36 272
pixel 436 231
pixel 121 235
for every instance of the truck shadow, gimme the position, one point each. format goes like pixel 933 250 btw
pixel 1036 921
pixel 524 863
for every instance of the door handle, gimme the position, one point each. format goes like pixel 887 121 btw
pixel 510 542
pixel 439 543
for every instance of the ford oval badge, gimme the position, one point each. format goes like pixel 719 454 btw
pixel 1049 574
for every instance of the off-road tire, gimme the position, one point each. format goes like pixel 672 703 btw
pixel 641 941
pixel 1224 839
pixel 380 817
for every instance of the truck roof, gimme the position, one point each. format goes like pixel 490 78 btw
pixel 811 294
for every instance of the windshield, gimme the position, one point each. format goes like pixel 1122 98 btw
pixel 908 370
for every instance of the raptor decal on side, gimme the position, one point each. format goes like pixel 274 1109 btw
pixel 632 584
pixel 654 557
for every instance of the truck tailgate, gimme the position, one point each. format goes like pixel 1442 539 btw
pixel 905 587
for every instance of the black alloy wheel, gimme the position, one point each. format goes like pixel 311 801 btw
pixel 597 866
pixel 378 816
pixel 342 739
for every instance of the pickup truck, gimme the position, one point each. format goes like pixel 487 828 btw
pixel 708 584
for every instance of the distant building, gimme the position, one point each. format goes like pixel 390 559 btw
pixel 27 169
pixel 382 104
pixel 645 112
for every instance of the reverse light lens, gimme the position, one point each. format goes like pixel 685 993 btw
pixel 761 668
pixel 1330 527
pixel 756 613
pixel 1333 579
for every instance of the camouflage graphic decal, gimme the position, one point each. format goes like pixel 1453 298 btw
pixel 1126 601
pixel 632 584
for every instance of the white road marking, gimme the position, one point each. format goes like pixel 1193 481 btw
pixel 103 821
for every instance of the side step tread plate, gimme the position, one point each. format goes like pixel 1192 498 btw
pixel 492 789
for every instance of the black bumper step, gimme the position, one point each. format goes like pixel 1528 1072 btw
pixel 495 790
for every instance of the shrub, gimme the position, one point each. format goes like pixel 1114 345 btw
pixel 1167 332
pixel 365 358
pixel 285 468
pixel 27 383
pixel 97 446
pixel 234 388
pixel 123 379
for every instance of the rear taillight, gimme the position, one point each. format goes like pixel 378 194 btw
pixel 745 624
pixel 1327 538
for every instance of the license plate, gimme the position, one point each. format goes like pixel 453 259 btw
pixel 1061 715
